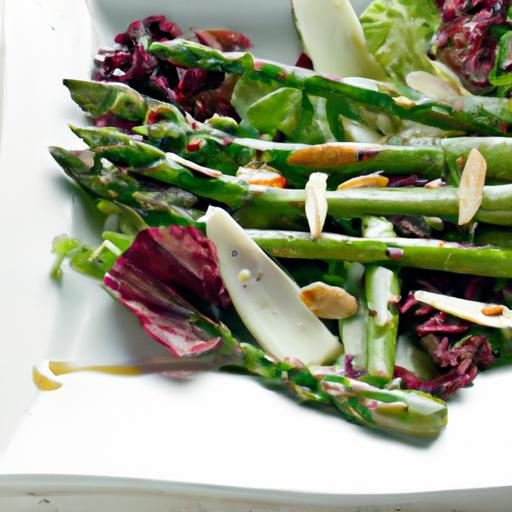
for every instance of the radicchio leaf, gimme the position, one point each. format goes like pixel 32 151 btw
pixel 199 92
pixel 467 39
pixel 224 40
pixel 152 277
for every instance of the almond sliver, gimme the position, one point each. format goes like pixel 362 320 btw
pixel 325 156
pixel 261 176
pixel 470 310
pixel 328 302
pixel 403 101
pixel 471 187
pixel 316 203
pixel 430 85
pixel 370 180
pixel 211 173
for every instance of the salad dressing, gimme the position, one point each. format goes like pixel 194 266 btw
pixel 44 382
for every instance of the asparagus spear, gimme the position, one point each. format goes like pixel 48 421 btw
pixel 382 294
pixel 172 205
pixel 353 329
pixel 497 152
pixel 473 114
pixel 396 410
pixel 400 252
pixel 452 257
pixel 100 99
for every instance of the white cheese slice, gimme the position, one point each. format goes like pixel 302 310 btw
pixel 466 309
pixel 266 298
pixel 333 38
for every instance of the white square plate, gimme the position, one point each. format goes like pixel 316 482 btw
pixel 217 435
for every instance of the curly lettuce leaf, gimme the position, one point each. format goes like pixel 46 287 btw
pixel 398 33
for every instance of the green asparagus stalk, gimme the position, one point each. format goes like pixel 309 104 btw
pixel 100 99
pixel 390 252
pixel 353 329
pixel 394 410
pixel 161 205
pixel 151 162
pixel 497 152
pixel 442 202
pixel 471 114
pixel 408 412
pixel 382 289
pixel 486 261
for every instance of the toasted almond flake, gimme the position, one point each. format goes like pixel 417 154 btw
pixel 431 86
pixel 471 187
pixel 329 302
pixel 325 156
pixel 493 310
pixel 446 74
pixel 316 203
pixel 403 101
pixel 211 173
pixel 470 310
pixel 370 180
pixel 265 176
pixel 435 183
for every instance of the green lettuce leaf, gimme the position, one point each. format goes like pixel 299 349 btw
pixel 398 33
pixel 270 108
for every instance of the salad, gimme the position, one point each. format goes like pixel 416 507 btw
pixel 340 227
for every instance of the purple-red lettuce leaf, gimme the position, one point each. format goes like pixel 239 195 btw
pixel 152 279
pixel 223 40
pixel 468 37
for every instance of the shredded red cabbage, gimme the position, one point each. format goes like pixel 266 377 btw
pixel 439 324
pixel 461 360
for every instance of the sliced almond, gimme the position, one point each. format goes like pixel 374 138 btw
pixel 370 180
pixel 403 101
pixel 439 182
pixel 265 176
pixel 470 310
pixel 316 203
pixel 471 187
pixel 211 173
pixel 325 156
pixel 431 86
pixel 329 302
